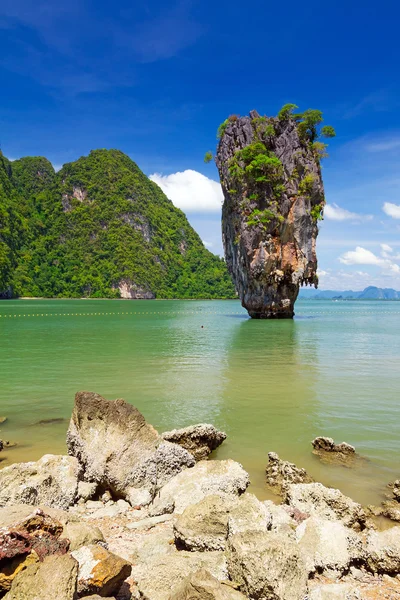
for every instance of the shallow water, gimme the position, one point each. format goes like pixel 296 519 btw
pixel 271 385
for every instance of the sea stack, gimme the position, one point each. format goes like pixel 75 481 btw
pixel 270 174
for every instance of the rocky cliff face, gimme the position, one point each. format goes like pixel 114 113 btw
pixel 271 179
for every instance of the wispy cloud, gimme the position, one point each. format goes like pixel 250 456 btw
pixel 191 191
pixel 333 212
pixel 378 101
pixel 384 146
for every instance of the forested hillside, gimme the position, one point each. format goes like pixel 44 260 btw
pixel 98 228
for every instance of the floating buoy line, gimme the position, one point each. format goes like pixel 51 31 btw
pixel 185 312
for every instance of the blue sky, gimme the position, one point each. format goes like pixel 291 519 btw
pixel 155 79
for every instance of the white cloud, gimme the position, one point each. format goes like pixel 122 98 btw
pixel 191 191
pixel 208 244
pixel 333 212
pixel 360 256
pixel 393 210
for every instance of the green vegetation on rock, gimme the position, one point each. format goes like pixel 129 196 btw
pixel 95 226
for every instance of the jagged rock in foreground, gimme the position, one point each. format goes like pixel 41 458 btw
pixel 201 585
pixel 327 503
pixel 55 577
pixel 200 440
pixel 52 480
pixel 119 451
pixel 267 565
pixel 279 473
pixel 223 477
pixel 273 198
pixel 100 571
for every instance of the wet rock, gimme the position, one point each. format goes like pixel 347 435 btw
pixel 396 489
pixel 81 534
pixel 337 454
pixel 391 510
pixel 55 577
pixel 200 440
pixel 327 503
pixel 51 481
pixel 119 451
pixel 100 571
pixel 269 236
pixel 201 585
pixel 267 565
pixel 280 473
pixel 326 444
pixel 328 545
pixel 192 485
pixel 52 421
pixel 383 551
pixel 162 573
pixel 203 526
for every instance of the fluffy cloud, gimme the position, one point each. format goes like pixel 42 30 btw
pixel 191 191
pixel 362 256
pixel 333 212
pixel 393 210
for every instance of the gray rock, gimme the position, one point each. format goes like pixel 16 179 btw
pixel 200 440
pixel 335 591
pixel 96 597
pixel 119 451
pixel 86 490
pixel 382 553
pixel 192 485
pixel 280 473
pixel 55 577
pixel 328 445
pixel 149 522
pixel 280 517
pixel 100 571
pixel 328 545
pixel 81 533
pixel 270 257
pixel 52 481
pixel 267 566
pixel 201 585
pixel 327 503
pixel 207 524
pixel 160 574
pixel 203 526
pixel 247 514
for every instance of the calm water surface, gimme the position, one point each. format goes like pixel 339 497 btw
pixel 271 385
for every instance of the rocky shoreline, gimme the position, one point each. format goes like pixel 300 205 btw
pixel 130 513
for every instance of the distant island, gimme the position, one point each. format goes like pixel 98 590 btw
pixel 369 293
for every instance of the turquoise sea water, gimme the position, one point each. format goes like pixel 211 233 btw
pixel 271 385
